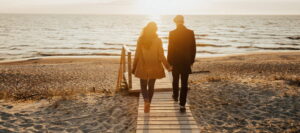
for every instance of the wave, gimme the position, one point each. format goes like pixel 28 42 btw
pixel 270 23
pixel 211 45
pixel 278 48
pixel 49 29
pixel 99 48
pixel 14 49
pixel 202 35
pixel 294 37
pixel 270 48
pixel 245 47
pixel 208 52
pixel 56 48
pixel 76 54
pixel 88 48
pixel 293 44
pixel 86 43
pixel 21 45
pixel 119 44
pixel 202 38
pixel 13 54
pixel 4 35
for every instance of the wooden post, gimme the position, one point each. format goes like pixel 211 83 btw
pixel 121 71
pixel 124 60
pixel 129 71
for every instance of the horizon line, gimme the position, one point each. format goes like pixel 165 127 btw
pixel 136 14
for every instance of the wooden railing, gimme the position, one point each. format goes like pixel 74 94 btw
pixel 125 74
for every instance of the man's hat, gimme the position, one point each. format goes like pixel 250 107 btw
pixel 179 19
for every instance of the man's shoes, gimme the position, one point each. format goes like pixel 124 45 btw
pixel 182 109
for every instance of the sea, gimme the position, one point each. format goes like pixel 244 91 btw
pixel 32 36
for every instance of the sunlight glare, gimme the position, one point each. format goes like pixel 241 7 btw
pixel 166 7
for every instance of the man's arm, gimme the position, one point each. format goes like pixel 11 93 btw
pixel 162 57
pixel 193 48
pixel 170 49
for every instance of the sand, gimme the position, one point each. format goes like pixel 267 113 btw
pixel 248 93
pixel 88 106
pixel 243 93
pixel 87 113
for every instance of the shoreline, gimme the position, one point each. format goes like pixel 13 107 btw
pixel 75 59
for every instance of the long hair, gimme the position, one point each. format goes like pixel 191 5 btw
pixel 148 35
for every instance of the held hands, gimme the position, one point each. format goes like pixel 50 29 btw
pixel 133 70
pixel 170 69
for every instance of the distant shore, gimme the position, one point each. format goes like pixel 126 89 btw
pixel 248 93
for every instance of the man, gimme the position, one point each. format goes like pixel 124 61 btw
pixel 181 56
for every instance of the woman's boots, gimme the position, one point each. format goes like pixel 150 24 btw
pixel 146 107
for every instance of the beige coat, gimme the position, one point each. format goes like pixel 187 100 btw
pixel 148 62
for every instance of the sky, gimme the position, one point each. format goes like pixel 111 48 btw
pixel 151 7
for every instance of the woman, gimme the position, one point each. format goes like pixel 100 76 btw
pixel 148 61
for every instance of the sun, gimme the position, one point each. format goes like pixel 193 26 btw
pixel 156 7
pixel 167 7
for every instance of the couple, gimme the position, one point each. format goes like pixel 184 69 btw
pixel 149 58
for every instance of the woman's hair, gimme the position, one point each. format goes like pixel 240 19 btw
pixel 148 35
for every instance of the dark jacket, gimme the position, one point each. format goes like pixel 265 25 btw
pixel 181 49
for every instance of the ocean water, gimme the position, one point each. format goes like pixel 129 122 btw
pixel 34 36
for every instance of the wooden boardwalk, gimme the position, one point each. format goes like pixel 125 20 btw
pixel 164 116
pixel 160 84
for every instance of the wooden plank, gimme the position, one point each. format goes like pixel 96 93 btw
pixel 160 84
pixel 168 122
pixel 155 97
pixel 156 90
pixel 160 100
pixel 167 127
pixel 161 105
pixel 163 110
pixel 167 131
pixel 166 118
pixel 160 108
pixel 153 114
pixel 155 102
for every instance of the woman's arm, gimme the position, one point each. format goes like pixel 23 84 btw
pixel 162 57
pixel 136 57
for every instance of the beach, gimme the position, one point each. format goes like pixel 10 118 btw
pixel 240 93
pixel 247 93
pixel 65 95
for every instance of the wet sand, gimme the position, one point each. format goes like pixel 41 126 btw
pixel 244 93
